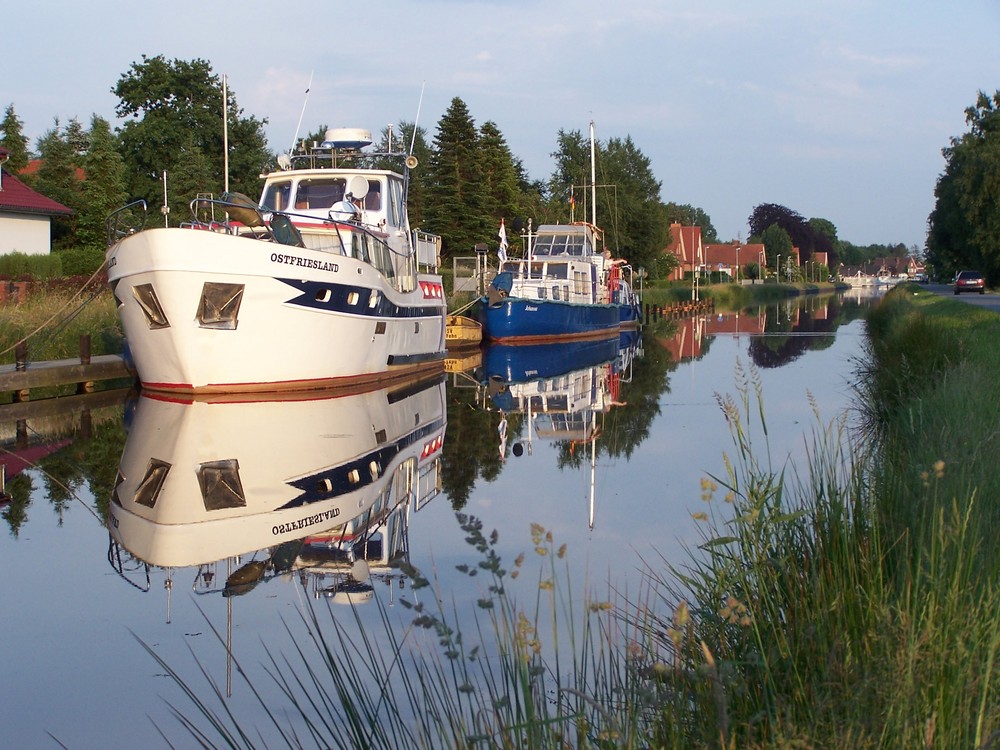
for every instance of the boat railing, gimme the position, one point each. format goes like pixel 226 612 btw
pixel 126 220
pixel 427 247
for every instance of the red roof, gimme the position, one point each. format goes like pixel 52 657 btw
pixel 34 166
pixel 16 197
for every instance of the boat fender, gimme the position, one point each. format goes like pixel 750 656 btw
pixel 500 287
pixel 495 296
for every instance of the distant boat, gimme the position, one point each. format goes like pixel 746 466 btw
pixel 321 284
pixel 566 286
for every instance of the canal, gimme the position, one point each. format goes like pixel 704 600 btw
pixel 203 530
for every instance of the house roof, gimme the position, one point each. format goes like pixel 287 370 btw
pixel 34 166
pixel 685 243
pixel 734 253
pixel 16 197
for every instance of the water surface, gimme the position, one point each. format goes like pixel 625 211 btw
pixel 78 596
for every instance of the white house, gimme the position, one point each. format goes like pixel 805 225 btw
pixel 25 216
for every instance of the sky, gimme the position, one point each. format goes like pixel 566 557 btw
pixel 836 109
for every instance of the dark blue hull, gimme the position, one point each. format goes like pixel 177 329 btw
pixel 516 318
pixel 628 315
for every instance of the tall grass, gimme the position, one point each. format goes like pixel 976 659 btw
pixel 52 322
pixel 535 674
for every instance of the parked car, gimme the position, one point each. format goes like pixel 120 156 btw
pixel 969 281
pixel 920 278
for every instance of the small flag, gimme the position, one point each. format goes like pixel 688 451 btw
pixel 502 250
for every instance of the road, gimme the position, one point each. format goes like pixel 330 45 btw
pixel 990 300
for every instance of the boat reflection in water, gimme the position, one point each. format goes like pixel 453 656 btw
pixel 319 485
pixel 560 389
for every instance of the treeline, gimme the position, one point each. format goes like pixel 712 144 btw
pixel 170 144
pixel 170 148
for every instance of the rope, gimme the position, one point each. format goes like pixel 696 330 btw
pixel 41 326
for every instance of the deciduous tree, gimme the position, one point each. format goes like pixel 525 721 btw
pixel 964 227
pixel 174 114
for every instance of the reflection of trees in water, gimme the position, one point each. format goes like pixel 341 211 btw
pixel 624 427
pixel 90 462
pixel 470 447
pixel 775 350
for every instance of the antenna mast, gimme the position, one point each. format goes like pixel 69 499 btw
pixel 301 114
pixel 593 179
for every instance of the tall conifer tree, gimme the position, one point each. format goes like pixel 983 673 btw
pixel 14 140
pixel 456 204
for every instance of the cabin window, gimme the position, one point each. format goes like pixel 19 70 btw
pixel 394 214
pixel 558 270
pixel 555 292
pixel 277 195
pixel 373 198
pixel 541 292
pixel 319 193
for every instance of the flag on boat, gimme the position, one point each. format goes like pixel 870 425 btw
pixel 502 432
pixel 502 250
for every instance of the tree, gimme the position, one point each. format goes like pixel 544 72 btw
pixel 628 203
pixel 456 205
pixel 174 114
pixel 413 140
pixel 104 186
pixel 499 174
pixel 802 235
pixel 14 141
pixel 684 214
pixel 57 179
pixel 964 227
pixel 777 244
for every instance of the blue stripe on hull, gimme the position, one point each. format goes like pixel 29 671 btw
pixel 517 318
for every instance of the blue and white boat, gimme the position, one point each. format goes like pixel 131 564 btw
pixel 566 287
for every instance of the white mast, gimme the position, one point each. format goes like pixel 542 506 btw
pixel 225 132
pixel 593 179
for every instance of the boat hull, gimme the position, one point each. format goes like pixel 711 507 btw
pixel 527 321
pixel 306 318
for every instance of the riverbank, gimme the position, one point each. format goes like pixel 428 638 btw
pixel 852 603
pixel 734 296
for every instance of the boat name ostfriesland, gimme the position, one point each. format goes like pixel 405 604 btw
pixel 295 260
pixel 312 520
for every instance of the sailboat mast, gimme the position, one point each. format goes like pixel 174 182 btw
pixel 593 179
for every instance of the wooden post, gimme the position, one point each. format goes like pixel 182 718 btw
pixel 21 355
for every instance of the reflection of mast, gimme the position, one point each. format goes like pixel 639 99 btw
pixel 593 462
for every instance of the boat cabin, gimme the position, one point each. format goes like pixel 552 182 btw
pixel 563 264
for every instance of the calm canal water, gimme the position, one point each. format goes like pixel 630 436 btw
pixel 153 528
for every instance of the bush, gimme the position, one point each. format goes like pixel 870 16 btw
pixel 81 261
pixel 21 265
